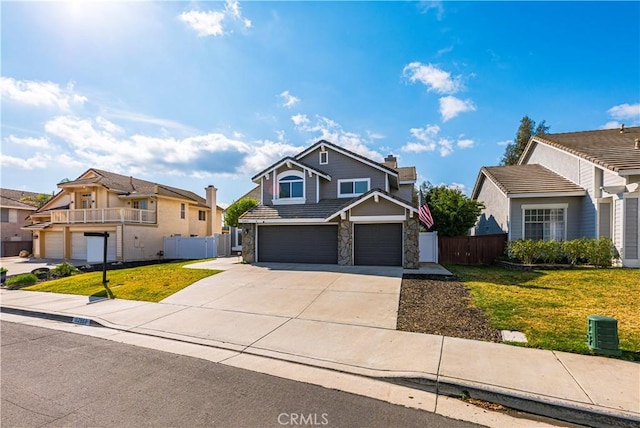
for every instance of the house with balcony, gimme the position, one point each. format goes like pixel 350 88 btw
pixel 136 213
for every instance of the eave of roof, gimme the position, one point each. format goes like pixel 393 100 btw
pixel 289 159
pixel 528 181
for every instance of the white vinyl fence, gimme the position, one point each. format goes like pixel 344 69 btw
pixel 197 247
pixel 428 243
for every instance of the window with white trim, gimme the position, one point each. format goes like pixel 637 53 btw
pixel 290 186
pixel 354 187
pixel 140 204
pixel 324 158
pixel 545 223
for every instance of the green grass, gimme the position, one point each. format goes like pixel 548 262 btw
pixel 147 283
pixel 551 307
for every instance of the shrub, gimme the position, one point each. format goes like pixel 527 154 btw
pixel 600 252
pixel 3 270
pixel 597 252
pixel 65 269
pixel 524 250
pixel 24 279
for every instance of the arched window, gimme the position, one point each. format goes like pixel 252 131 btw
pixel 291 185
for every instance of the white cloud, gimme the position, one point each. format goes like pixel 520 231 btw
pixel 38 161
pixel 41 142
pixel 204 23
pixel 330 130
pixel 426 5
pixel 300 119
pixel 465 143
pixel 625 111
pixel 445 147
pixel 433 77
pixel 418 147
pixel 504 143
pixel 451 106
pixel 289 100
pixel 40 94
pixel 209 23
pixel 612 124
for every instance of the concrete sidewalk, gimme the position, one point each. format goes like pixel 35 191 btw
pixel 590 390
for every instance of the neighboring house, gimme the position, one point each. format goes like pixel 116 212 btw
pixel 330 205
pixel 13 216
pixel 566 186
pixel 136 213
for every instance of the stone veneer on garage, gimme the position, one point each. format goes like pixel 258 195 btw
pixel 345 241
pixel 412 244
pixel 248 242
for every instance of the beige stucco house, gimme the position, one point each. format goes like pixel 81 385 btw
pixel 136 213
pixel 13 216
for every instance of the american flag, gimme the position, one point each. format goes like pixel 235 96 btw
pixel 424 214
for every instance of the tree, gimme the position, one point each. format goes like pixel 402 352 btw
pixel 36 201
pixel 526 129
pixel 453 212
pixel 236 209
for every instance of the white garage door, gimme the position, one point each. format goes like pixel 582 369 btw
pixel 54 245
pixel 78 246
pixel 95 248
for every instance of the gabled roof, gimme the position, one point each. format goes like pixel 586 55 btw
pixel 293 161
pixel 127 185
pixel 349 153
pixel 527 181
pixel 608 148
pixel 10 198
pixel 324 210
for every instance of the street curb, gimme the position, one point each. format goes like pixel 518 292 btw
pixel 562 412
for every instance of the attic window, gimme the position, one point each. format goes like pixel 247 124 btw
pixel 324 158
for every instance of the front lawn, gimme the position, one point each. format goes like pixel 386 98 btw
pixel 551 307
pixel 150 283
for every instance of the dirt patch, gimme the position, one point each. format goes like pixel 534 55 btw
pixel 442 307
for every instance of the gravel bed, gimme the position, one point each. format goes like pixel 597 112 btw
pixel 442 307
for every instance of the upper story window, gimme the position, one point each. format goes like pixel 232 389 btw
pixel 353 187
pixel 324 158
pixel 202 215
pixel 545 223
pixel 290 187
pixel 85 201
pixel 183 211
pixel 140 204
pixel 4 215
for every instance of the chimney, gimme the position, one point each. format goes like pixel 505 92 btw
pixel 214 219
pixel 391 161
pixel 622 128
pixel 637 144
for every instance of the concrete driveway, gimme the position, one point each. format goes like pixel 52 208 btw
pixel 356 295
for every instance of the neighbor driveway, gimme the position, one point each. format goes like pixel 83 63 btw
pixel 366 296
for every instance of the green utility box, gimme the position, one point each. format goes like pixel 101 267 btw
pixel 602 335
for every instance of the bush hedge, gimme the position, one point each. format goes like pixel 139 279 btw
pixel 23 279
pixel 596 252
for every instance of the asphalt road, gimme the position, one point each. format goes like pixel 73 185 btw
pixel 54 378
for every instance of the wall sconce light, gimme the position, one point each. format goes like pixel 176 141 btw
pixel 128 202
pixel 71 202
pixel 151 201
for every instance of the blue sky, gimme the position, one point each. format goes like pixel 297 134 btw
pixel 196 93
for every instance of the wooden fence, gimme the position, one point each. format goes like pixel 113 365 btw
pixel 471 250
pixel 13 248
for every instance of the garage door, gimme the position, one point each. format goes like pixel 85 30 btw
pixel 378 244
pixel 54 245
pixel 298 244
pixel 78 246
pixel 95 248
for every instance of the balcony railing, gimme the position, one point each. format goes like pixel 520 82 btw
pixel 104 215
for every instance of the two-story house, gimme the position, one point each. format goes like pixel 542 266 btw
pixel 136 213
pixel 13 216
pixel 567 186
pixel 329 205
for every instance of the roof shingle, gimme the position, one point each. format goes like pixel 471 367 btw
pixel 606 147
pixel 529 179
